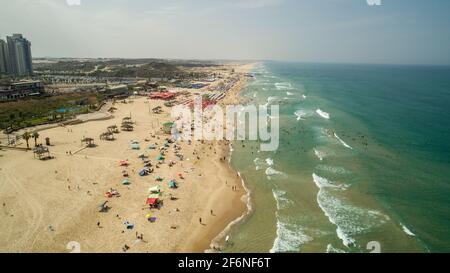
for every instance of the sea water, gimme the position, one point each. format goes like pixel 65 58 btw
pixel 364 157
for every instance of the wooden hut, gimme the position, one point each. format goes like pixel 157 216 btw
pixel 88 141
pixel 127 127
pixel 41 152
pixel 113 129
pixel 107 136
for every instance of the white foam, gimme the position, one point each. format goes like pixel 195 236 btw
pixel 304 97
pixel 342 142
pixel 283 86
pixel 269 161
pixel 332 249
pixel 348 219
pixel 258 163
pixel 322 182
pixel 289 93
pixel 319 154
pixel 332 169
pixel 323 114
pixel 271 173
pixel 290 238
pixel 301 114
pixel 407 230
pixel 281 200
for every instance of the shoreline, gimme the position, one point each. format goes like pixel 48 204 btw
pixel 237 212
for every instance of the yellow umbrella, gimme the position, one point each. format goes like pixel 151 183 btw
pixel 148 216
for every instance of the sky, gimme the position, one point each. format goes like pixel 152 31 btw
pixel 332 31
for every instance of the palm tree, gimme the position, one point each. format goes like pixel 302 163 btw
pixel 27 137
pixel 35 135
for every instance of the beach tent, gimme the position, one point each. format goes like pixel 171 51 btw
pixel 143 172
pixel 160 158
pixel 155 189
pixel 151 201
pixel 135 146
pixel 172 184
pixel 153 196
pixel 158 178
pixel 125 182
pixel 123 163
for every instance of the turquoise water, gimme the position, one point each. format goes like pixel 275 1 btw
pixel 363 160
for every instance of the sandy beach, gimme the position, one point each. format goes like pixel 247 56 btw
pixel 47 204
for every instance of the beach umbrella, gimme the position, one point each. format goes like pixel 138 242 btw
pixel 148 216
pixel 125 182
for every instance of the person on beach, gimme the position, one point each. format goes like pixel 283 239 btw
pixel 200 220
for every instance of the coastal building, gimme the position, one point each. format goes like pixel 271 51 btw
pixel 3 56
pixel 22 89
pixel 117 90
pixel 15 56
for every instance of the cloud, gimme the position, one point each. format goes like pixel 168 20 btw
pixel 258 3
pixel 73 2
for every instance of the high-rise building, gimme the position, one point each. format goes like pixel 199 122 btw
pixel 3 56
pixel 18 55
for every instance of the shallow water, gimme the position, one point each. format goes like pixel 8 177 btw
pixel 363 157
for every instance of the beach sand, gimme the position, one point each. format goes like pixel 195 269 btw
pixel 47 204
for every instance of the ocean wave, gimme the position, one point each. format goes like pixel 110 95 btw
pixel 259 164
pixel 319 154
pixel 332 249
pixel 280 198
pixel 273 174
pixel 342 142
pixel 349 220
pixel 290 238
pixel 301 114
pixel 407 230
pixel 322 182
pixel 323 152
pixel 323 114
pixel 289 93
pixel 283 86
pixel 332 169
pixel 269 161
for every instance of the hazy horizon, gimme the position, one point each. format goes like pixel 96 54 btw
pixel 323 31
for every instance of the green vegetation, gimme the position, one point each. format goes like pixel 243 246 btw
pixel 31 112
